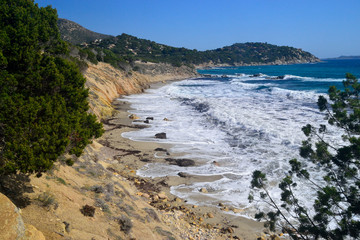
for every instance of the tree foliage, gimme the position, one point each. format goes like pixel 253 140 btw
pixel 335 213
pixel 43 102
pixel 128 48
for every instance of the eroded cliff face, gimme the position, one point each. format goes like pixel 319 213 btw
pixel 105 83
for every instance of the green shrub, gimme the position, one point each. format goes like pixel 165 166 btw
pixel 43 101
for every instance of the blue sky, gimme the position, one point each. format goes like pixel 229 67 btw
pixel 326 28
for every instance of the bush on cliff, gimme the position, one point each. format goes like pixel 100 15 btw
pixel 335 213
pixel 43 102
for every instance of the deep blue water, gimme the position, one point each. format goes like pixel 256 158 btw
pixel 314 76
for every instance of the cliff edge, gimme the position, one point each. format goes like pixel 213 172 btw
pixel 106 83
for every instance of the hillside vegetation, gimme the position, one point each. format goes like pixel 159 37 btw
pixel 43 101
pixel 126 49
pixel 76 34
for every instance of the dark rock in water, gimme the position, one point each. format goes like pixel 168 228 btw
pixel 183 174
pixel 160 135
pixel 276 78
pixel 149 118
pixel 146 121
pixel 185 162
pixel 145 160
pixel 160 150
pixel 181 162
pixel 256 75
pixel 202 107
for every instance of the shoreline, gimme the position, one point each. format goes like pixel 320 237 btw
pixel 222 217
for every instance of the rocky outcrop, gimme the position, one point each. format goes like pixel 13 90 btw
pixel 73 33
pixel 12 225
pixel 106 83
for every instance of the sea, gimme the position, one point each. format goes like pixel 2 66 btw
pixel 236 120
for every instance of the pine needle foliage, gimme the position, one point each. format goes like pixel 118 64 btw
pixel 335 212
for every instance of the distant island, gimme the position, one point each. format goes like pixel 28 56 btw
pixel 343 58
pixel 125 49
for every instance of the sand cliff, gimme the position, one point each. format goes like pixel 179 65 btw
pixel 105 83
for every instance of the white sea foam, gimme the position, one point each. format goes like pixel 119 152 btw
pixel 241 126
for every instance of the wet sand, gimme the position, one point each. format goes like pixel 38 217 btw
pixel 157 190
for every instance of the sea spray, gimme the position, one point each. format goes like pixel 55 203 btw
pixel 242 122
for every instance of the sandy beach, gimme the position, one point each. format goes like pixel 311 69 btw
pixel 137 154
pixel 104 179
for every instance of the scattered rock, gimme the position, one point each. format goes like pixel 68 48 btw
pixel 216 163
pixel 145 195
pixel 160 150
pixel 275 237
pixel 181 162
pixel 226 230
pixel 146 121
pixel 183 174
pixel 276 78
pixel 145 160
pixel 165 119
pixel 162 196
pixel 133 116
pixel 210 215
pixel 221 205
pixel 160 135
pixel 67 226
pixel 185 162
pixel 256 75
pixel 235 210
pixel 226 209
pixel 203 190
pixel 149 118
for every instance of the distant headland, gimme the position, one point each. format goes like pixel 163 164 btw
pixel 124 48
pixel 343 58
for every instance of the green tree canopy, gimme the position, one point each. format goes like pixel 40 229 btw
pixel 43 102
pixel 335 213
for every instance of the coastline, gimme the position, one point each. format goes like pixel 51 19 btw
pixel 126 206
pixel 222 217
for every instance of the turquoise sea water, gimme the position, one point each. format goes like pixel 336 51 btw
pixel 245 119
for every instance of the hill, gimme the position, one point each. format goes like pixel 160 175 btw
pixel 125 48
pixel 76 34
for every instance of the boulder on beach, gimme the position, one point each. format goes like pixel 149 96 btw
pixel 183 174
pixel 160 135
pixel 160 150
pixel 182 162
pixel 133 116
